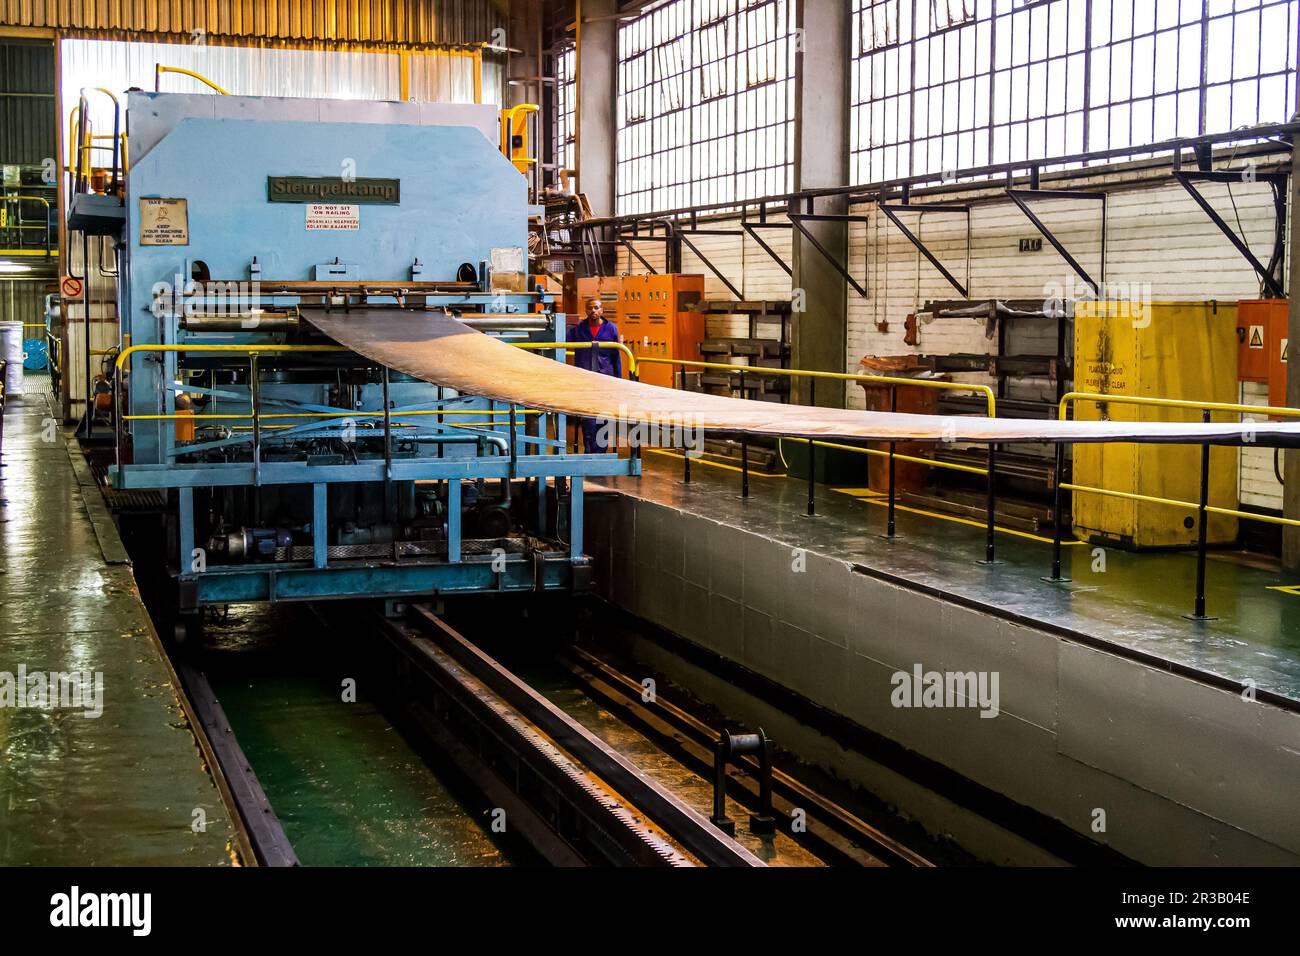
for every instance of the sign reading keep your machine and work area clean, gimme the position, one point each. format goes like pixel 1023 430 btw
pixel 333 189
pixel 164 222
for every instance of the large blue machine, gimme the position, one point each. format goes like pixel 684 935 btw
pixel 295 469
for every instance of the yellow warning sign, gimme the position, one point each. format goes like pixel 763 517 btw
pixel 1284 344
pixel 1256 339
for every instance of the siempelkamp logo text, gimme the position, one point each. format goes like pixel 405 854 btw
pixel 922 688
pixel 102 910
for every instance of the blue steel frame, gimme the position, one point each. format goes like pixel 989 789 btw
pixel 477 181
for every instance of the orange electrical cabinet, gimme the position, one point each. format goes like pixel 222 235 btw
pixel 657 322
pixel 1262 345
pixel 609 289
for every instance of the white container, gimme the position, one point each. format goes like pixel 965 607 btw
pixel 11 351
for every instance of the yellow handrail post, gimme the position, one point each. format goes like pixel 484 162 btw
pixel 632 363
pixel 159 70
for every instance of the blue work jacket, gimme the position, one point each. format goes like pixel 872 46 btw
pixel 607 361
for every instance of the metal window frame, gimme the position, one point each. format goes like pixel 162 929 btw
pixel 977 109
pixel 681 154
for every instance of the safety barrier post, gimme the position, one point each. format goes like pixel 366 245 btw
pixel 812 454
pixel 889 524
pixel 255 402
pixel 1058 478
pixel 1202 532
pixel 686 452
pixel 990 505
pixel 744 449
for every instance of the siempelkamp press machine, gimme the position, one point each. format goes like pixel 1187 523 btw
pixel 295 469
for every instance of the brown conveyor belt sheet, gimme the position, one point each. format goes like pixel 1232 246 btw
pixel 440 349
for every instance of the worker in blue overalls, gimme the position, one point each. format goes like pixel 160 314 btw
pixel 594 327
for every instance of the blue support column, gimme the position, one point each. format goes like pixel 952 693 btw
pixel 575 517
pixel 319 524
pixel 185 523
pixel 453 521
pixel 541 505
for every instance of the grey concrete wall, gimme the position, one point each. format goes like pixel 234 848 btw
pixel 597 98
pixel 1185 773
pixel 819 334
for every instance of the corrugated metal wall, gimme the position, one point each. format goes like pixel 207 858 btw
pixel 101 285
pixel 26 102
pixel 407 22
pixel 23 300
pixel 1159 244
pixel 435 75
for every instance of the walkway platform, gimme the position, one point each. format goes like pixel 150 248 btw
pixel 1135 600
pixel 129 787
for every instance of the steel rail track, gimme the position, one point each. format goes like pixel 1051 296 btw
pixel 829 830
pixel 571 795
pixel 266 836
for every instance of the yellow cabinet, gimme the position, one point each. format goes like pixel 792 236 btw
pixel 1182 350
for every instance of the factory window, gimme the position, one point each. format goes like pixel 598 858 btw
pixel 565 132
pixel 705 103
pixel 967 83
pixel 877 25
pixel 950 13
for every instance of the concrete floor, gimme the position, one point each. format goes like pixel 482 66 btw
pixel 130 786
pixel 1137 601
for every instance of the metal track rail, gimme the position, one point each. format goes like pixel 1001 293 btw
pixel 563 789
pixel 689 828
pixel 265 834
pixel 829 830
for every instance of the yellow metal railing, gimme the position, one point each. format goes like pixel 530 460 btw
pixel 1071 398
pixel 495 417
pixel 124 357
pixel 634 365
pixel 1202 507
pixel 894 382
pixel 569 346
pixel 49 224
pixel 159 70
pixel 989 396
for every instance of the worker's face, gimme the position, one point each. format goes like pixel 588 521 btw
pixel 595 311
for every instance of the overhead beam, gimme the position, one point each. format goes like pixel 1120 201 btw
pixel 1021 198
pixel 891 211
pixel 1278 180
